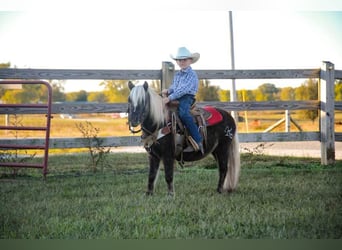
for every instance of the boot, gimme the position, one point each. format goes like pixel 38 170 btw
pixel 200 148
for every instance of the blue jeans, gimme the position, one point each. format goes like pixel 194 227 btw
pixel 185 103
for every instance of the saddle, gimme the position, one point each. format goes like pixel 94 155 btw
pixel 204 117
pixel 209 114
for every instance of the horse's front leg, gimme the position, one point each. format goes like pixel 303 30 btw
pixel 168 168
pixel 152 176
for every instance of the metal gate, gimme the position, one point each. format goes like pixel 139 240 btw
pixel 44 109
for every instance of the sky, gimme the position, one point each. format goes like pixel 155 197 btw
pixel 96 35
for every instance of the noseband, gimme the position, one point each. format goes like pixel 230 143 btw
pixel 134 131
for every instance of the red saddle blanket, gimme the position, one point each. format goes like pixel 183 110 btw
pixel 214 117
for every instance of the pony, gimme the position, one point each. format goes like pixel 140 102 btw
pixel 146 109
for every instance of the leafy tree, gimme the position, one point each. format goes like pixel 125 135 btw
pixel 245 95
pixel 79 96
pixel 3 66
pixel 12 96
pixel 32 93
pixel 97 97
pixel 28 94
pixel 249 96
pixel 207 92
pixel 224 95
pixel 287 94
pixel 338 90
pixel 266 92
pixel 58 94
pixel 116 90
pixel 308 91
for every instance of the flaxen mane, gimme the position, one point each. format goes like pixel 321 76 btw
pixel 139 96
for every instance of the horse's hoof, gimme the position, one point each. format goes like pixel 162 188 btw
pixel 149 193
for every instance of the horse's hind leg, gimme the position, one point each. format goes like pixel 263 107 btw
pixel 222 161
pixel 153 172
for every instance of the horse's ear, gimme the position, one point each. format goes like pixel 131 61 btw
pixel 130 85
pixel 145 85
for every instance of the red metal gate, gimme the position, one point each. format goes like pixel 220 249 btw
pixel 46 110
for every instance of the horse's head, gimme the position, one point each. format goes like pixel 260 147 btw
pixel 137 105
pixel 145 107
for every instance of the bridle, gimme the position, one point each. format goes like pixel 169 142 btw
pixel 143 117
pixel 131 128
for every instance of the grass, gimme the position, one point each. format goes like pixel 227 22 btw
pixel 277 198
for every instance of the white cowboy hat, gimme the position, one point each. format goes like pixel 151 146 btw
pixel 184 53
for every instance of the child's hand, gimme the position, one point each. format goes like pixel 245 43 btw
pixel 166 100
pixel 164 92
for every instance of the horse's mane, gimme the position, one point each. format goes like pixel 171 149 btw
pixel 157 110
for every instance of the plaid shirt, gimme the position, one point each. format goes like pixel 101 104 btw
pixel 185 82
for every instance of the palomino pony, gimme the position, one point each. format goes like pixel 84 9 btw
pixel 146 108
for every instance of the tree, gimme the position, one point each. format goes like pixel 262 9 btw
pixel 116 90
pixel 58 94
pixel 224 95
pixel 11 96
pixel 338 90
pixel 97 97
pixel 245 95
pixel 266 92
pixel 207 92
pixel 79 96
pixel 3 66
pixel 287 94
pixel 308 91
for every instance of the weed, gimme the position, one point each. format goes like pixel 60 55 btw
pixel 258 150
pixel 93 143
pixel 16 155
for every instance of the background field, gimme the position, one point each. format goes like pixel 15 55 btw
pixel 277 198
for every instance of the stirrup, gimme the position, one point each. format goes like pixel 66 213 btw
pixel 189 149
pixel 193 144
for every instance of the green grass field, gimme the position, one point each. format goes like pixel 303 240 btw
pixel 277 198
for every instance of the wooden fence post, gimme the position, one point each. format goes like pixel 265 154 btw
pixel 168 70
pixel 287 121
pixel 326 98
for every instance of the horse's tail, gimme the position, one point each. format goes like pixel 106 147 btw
pixel 233 172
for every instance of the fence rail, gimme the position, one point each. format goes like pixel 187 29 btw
pixel 327 75
pixel 77 108
pixel 88 74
